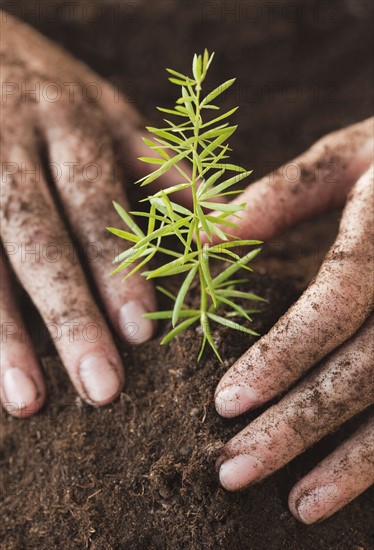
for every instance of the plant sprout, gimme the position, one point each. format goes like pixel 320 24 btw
pixel 203 145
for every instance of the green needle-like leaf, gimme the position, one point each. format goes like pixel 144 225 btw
pixel 238 309
pixel 196 67
pixel 209 182
pixel 217 231
pixel 239 294
pixel 188 104
pixel 173 189
pixel 179 81
pixel 221 117
pixel 169 314
pixel 227 131
pixel 131 258
pixel 226 252
pixel 225 185
pixel 162 231
pixel 171 162
pixel 207 337
pixel 140 265
pixel 172 268
pixel 128 220
pixel 172 112
pixel 221 207
pixel 218 91
pixel 182 76
pixel 221 220
pixel 166 292
pixel 231 324
pixel 155 147
pixel 152 160
pixel 205 226
pixel 233 244
pixel 235 267
pixel 124 234
pixel 182 294
pixel 228 166
pixel 178 329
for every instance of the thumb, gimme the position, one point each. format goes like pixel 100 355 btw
pixel 314 182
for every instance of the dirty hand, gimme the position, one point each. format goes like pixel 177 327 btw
pixel 331 323
pixel 59 177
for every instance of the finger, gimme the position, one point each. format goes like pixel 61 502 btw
pixel 47 268
pixel 22 386
pixel 309 185
pixel 331 309
pixel 337 480
pixel 341 388
pixel 125 122
pixel 87 193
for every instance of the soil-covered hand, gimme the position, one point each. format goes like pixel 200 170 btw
pixel 60 126
pixel 331 323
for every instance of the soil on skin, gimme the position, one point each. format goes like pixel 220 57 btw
pixel 140 473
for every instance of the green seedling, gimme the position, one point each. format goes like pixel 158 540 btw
pixel 197 148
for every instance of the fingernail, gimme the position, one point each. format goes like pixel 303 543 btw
pixel 99 379
pixel 19 388
pixel 318 503
pixel 133 326
pixel 235 400
pixel 240 471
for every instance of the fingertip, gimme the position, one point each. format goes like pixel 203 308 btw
pixel 293 498
pixel 23 396
pixel 133 326
pixel 311 504
pixel 234 400
pixel 102 381
pixel 240 471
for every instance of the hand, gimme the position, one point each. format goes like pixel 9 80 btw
pixel 60 177
pixel 331 323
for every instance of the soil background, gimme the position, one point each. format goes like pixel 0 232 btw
pixel 140 473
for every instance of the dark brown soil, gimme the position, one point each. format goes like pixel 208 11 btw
pixel 140 473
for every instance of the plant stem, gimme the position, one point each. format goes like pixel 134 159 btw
pixel 204 297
